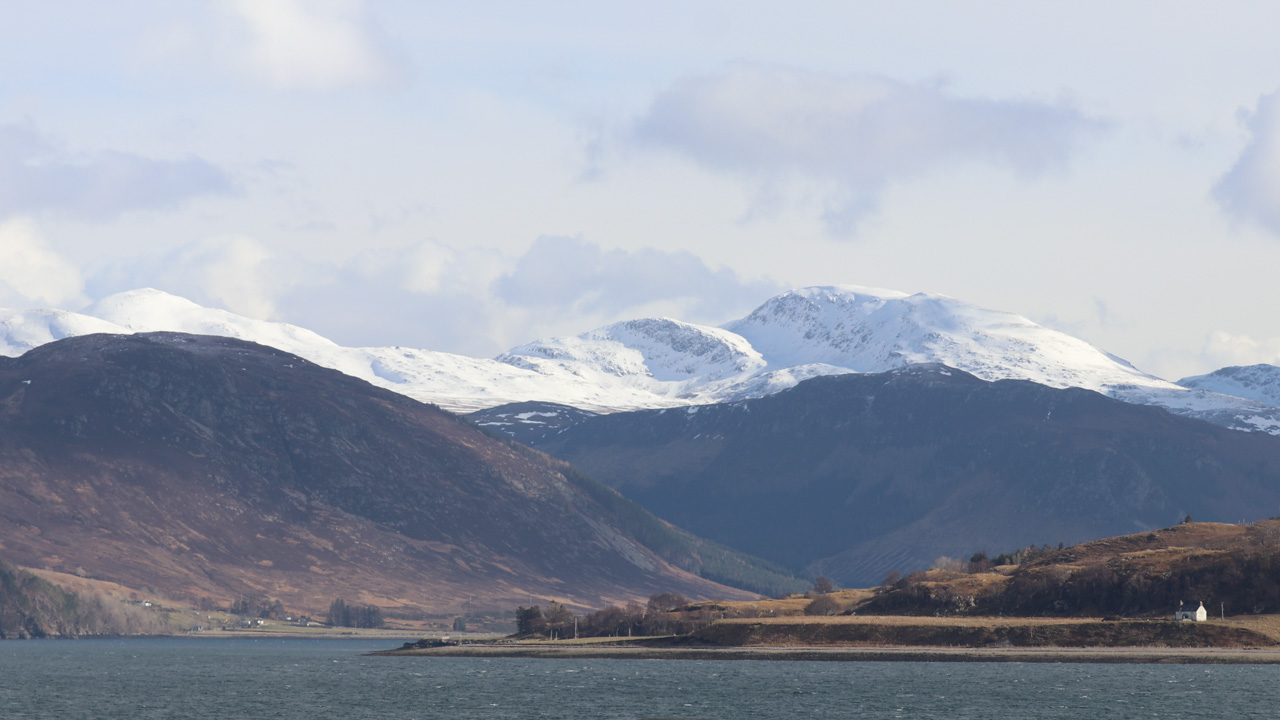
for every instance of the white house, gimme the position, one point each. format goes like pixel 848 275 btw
pixel 1186 612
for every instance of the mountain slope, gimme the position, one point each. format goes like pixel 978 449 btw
pixel 203 466
pixel 1260 383
pixel 659 362
pixel 868 330
pixel 855 475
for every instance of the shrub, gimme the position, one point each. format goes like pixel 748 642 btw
pixel 823 605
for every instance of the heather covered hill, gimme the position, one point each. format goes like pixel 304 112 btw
pixel 853 476
pixel 31 607
pixel 1230 568
pixel 210 467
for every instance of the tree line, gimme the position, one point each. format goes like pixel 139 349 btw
pixel 343 615
pixel 663 614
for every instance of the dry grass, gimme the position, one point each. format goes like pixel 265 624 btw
pixel 1268 625
pixel 790 606
pixel 912 621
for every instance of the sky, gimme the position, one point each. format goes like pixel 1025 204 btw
pixel 467 177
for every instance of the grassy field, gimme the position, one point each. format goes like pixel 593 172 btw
pixel 983 632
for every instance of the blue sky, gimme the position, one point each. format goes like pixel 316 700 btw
pixel 469 178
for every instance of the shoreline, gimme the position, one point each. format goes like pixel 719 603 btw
pixel 228 635
pixel 1134 655
pixel 897 654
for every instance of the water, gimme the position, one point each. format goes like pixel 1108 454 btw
pixel 315 679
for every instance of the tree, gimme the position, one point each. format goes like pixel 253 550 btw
pixel 343 615
pixel 529 620
pixel 558 619
pixel 274 611
pixel 823 585
pixel 459 624
pixel 891 579
pixel 666 602
pixel 339 613
pixel 558 614
pixel 369 616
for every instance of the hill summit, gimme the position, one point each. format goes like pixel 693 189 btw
pixel 204 466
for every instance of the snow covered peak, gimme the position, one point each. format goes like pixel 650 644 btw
pixel 825 324
pixel 21 330
pixel 658 349
pixel 144 307
pixel 148 309
pixel 1254 382
pixel 869 330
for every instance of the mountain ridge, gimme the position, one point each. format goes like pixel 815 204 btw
pixel 852 476
pixel 662 362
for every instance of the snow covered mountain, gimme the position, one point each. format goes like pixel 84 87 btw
pixel 454 382
pixel 869 330
pixel 659 362
pixel 1253 382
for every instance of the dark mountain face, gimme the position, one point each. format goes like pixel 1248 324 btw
pixel 199 466
pixel 856 475
pixel 528 422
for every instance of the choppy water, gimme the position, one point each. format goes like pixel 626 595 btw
pixel 316 679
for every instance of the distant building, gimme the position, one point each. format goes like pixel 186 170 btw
pixel 1187 612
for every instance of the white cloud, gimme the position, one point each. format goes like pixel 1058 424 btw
pixel 475 301
pixel 481 301
pixel 570 275
pixel 1250 190
pixel 236 273
pixel 36 175
pixel 315 44
pixel 31 274
pixel 425 294
pixel 856 133
pixel 1222 349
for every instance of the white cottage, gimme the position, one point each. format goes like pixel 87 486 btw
pixel 1186 612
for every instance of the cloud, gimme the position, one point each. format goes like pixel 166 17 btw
pixel 425 294
pixel 36 176
pixel 236 273
pixel 1250 190
pixel 571 275
pixel 472 300
pixel 857 133
pixel 315 44
pixel 30 273
pixel 1222 349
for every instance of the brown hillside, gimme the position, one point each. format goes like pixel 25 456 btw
pixel 208 467
pixel 1231 568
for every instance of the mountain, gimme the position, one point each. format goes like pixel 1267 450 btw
pixel 1260 383
pixel 200 466
pixel 660 362
pixel 855 475
pixel 868 330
